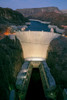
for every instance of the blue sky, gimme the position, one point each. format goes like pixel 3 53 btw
pixel 17 4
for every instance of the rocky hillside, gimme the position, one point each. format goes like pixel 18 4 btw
pixel 9 16
pixel 50 14
pixel 57 60
pixel 11 59
pixel 54 18
pixel 33 11
pixel 64 11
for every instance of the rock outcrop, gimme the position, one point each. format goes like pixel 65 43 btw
pixel 64 11
pixel 49 14
pixel 9 16
pixel 57 60
pixel 11 59
pixel 33 11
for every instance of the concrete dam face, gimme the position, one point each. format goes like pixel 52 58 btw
pixel 35 43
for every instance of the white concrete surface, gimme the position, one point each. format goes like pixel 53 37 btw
pixel 35 43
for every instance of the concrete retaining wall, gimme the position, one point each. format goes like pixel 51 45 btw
pixel 35 43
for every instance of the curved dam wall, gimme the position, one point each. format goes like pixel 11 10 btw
pixel 35 43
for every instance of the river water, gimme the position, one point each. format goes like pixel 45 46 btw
pixel 35 89
pixel 38 26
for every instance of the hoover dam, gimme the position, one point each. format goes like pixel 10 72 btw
pixel 35 43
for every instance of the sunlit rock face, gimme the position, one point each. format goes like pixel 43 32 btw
pixel 35 43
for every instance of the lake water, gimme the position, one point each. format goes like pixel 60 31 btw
pixel 37 26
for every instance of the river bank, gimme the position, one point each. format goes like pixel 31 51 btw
pixel 44 22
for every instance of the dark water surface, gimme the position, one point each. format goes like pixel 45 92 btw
pixel 35 89
pixel 37 26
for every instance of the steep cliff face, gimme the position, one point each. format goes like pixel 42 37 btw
pixel 11 59
pixel 57 60
pixel 33 11
pixel 9 16
pixel 50 14
pixel 64 11
pixel 54 18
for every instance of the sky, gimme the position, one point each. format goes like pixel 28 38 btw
pixel 20 4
